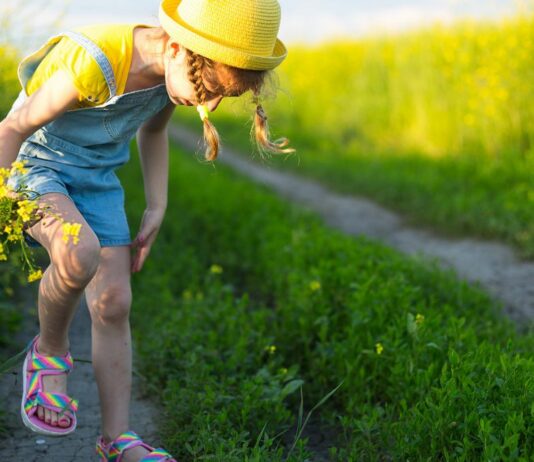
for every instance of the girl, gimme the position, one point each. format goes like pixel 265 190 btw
pixel 85 95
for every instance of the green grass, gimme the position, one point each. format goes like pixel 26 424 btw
pixel 10 321
pixel 456 386
pixel 11 277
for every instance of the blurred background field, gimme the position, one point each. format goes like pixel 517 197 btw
pixel 437 123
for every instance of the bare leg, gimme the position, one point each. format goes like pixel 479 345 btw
pixel 71 268
pixel 109 300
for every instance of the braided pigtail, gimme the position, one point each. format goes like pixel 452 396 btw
pixel 211 136
pixel 260 132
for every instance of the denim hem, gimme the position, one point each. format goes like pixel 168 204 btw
pixel 36 194
pixel 114 242
pixel 31 242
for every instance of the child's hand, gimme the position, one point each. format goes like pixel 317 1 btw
pixel 150 224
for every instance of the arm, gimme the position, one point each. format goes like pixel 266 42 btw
pixel 51 100
pixel 153 145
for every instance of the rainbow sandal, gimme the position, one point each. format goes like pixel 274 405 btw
pixel 35 366
pixel 113 451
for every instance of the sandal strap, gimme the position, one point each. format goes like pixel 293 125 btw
pixel 57 402
pixel 124 441
pixel 100 450
pixel 53 363
pixel 157 455
pixel 130 439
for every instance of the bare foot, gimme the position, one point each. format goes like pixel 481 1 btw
pixel 53 384
pixel 135 454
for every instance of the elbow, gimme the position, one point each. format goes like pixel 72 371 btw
pixel 10 130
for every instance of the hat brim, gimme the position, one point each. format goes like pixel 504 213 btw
pixel 218 51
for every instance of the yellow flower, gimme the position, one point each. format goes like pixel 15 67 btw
pixel 216 269
pixel 419 318
pixel 2 254
pixel 71 229
pixel 18 166
pixel 379 348
pixel 187 295
pixel 270 349
pixel 15 233
pixel 25 209
pixel 35 275
pixel 315 286
pixel 13 229
pixel 4 173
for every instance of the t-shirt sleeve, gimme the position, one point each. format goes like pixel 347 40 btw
pixel 85 72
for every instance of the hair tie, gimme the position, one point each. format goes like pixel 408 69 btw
pixel 203 111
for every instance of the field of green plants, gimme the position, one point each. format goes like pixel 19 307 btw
pixel 245 303
pixel 10 277
pixel 437 124
pixel 250 313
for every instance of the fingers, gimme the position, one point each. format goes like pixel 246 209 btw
pixel 139 258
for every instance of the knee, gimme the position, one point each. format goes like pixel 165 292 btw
pixel 78 263
pixel 111 306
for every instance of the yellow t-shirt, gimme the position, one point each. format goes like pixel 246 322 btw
pixel 115 40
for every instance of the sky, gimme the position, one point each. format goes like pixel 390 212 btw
pixel 303 21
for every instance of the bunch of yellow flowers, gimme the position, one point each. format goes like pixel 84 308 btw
pixel 17 212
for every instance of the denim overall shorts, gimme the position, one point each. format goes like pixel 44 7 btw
pixel 77 153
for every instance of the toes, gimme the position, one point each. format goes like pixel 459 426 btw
pixel 52 418
pixel 64 422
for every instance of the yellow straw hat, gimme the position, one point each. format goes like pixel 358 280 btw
pixel 240 33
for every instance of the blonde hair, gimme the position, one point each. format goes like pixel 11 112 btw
pixel 234 82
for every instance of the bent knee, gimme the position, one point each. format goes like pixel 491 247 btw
pixel 77 264
pixel 112 305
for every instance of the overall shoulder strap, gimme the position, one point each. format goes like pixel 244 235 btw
pixel 102 60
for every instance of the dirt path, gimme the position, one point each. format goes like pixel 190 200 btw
pixel 492 265
pixel 25 445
